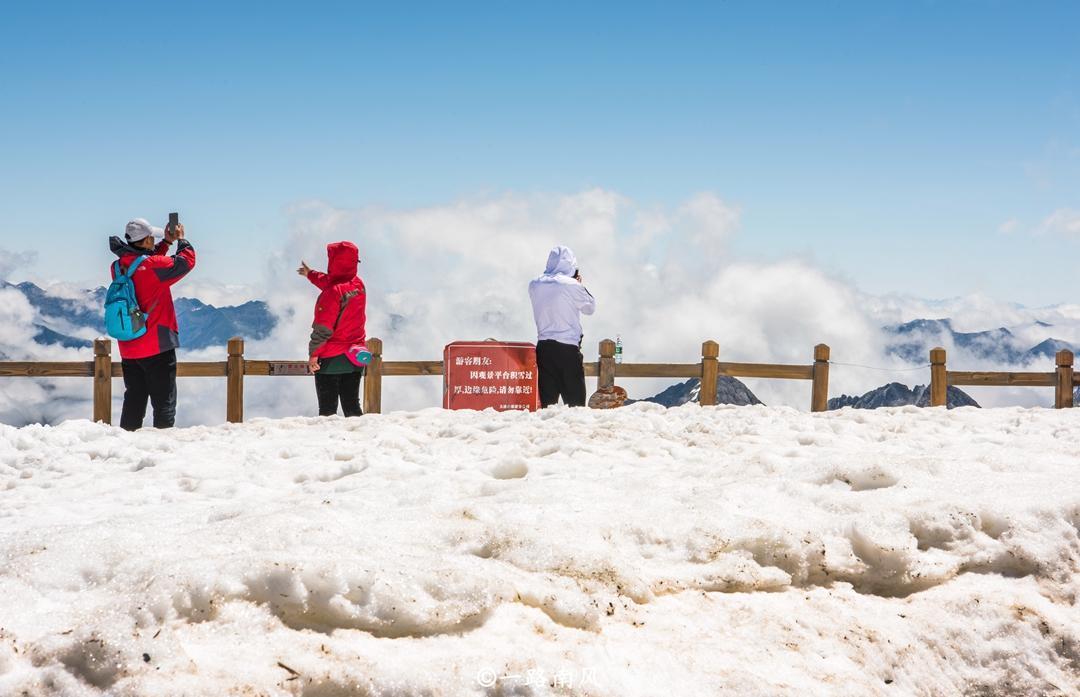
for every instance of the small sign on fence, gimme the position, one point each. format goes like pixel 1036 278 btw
pixel 289 368
pixel 500 375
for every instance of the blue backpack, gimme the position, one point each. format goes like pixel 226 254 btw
pixel 124 319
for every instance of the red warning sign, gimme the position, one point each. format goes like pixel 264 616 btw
pixel 500 375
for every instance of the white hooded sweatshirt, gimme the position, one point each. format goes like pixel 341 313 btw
pixel 558 299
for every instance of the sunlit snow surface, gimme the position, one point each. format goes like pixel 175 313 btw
pixel 741 551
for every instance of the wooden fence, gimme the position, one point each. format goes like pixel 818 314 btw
pixel 235 368
pixel 710 368
pixel 1063 379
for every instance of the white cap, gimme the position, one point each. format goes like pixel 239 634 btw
pixel 140 229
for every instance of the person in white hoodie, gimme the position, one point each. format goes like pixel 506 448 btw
pixel 559 298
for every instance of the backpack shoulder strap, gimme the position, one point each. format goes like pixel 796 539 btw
pixel 134 265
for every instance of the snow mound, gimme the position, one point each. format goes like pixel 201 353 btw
pixel 640 551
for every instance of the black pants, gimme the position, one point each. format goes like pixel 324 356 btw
pixel 562 373
pixel 342 386
pixel 153 377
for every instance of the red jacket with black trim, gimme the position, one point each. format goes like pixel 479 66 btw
pixel 153 280
pixel 341 310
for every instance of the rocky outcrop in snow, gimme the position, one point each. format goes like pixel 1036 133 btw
pixel 896 394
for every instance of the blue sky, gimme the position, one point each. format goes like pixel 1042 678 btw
pixel 911 147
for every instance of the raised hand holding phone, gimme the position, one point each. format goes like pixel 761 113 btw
pixel 175 234
pixel 174 230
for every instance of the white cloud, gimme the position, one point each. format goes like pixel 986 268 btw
pixel 218 294
pixel 1009 227
pixel 709 220
pixel 11 262
pixel 16 316
pixel 663 279
pixel 1064 221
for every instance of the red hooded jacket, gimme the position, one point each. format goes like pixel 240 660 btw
pixel 341 310
pixel 152 281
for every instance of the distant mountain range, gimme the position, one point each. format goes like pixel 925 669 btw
pixel 913 340
pixel 201 325
pixel 730 390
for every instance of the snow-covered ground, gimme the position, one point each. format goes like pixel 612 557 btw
pixel 727 550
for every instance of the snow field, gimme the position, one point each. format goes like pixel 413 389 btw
pixel 641 551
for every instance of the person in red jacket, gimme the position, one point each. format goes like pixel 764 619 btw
pixel 340 315
pixel 150 361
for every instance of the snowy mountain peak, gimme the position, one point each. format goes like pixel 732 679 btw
pixel 896 394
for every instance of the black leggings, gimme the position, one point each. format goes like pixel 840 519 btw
pixel 561 372
pixel 153 377
pixel 341 386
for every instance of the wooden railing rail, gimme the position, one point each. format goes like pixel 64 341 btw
pixel 47 369
pixel 975 379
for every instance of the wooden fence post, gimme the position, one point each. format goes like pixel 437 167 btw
pixel 819 392
pixel 710 371
pixel 373 378
pixel 103 380
pixel 606 376
pixel 1063 397
pixel 939 378
pixel 234 379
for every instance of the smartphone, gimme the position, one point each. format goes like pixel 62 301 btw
pixel 174 220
